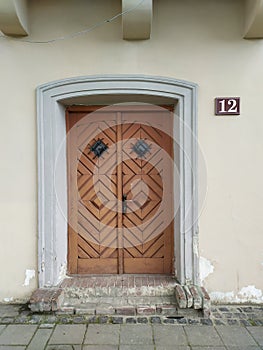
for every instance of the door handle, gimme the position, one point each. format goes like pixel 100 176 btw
pixel 124 203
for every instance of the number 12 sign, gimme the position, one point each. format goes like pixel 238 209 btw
pixel 227 106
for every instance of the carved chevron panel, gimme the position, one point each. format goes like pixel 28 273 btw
pixel 142 182
pixel 97 190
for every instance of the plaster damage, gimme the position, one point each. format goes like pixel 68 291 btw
pixel 222 297
pixel 248 294
pixel 30 274
pixel 8 300
pixel 206 268
pixel 251 293
pixel 62 271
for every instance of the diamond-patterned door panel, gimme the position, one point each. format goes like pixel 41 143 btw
pixel 144 168
pixel 117 164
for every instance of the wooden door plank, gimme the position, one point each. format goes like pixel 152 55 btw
pixel 72 193
pixel 97 266
pixel 91 250
pixel 119 193
pixel 144 265
pixel 168 248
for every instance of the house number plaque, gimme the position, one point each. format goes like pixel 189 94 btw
pixel 227 106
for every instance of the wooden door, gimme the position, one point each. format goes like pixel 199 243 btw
pixel 120 214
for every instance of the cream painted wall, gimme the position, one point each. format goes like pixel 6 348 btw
pixel 199 41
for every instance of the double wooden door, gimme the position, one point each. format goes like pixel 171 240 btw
pixel 120 197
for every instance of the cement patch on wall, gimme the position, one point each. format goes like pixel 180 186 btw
pixel 205 268
pixel 29 275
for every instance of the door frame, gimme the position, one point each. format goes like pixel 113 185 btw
pixel 52 100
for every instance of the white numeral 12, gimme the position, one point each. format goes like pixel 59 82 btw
pixel 232 104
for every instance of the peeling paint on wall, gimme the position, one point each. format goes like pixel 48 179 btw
pixel 29 275
pixel 8 300
pixel 251 293
pixel 221 297
pixel 248 294
pixel 206 268
pixel 62 271
pixel 196 245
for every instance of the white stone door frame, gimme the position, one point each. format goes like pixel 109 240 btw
pixel 52 99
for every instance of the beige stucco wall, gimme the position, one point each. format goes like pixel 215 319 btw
pixel 199 41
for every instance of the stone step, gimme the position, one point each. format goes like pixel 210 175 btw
pixel 121 293
pixel 126 310
pixel 120 286
pixel 106 309
pixel 117 294
pixel 46 299
pixel 121 301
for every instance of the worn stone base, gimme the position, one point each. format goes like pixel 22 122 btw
pixel 125 295
pixel 46 299
pixel 193 297
pixel 126 310
pixel 120 286
pixel 120 294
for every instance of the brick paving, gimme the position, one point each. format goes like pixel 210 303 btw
pixel 240 315
pixel 229 328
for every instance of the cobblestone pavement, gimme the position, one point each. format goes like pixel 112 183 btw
pixel 230 327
